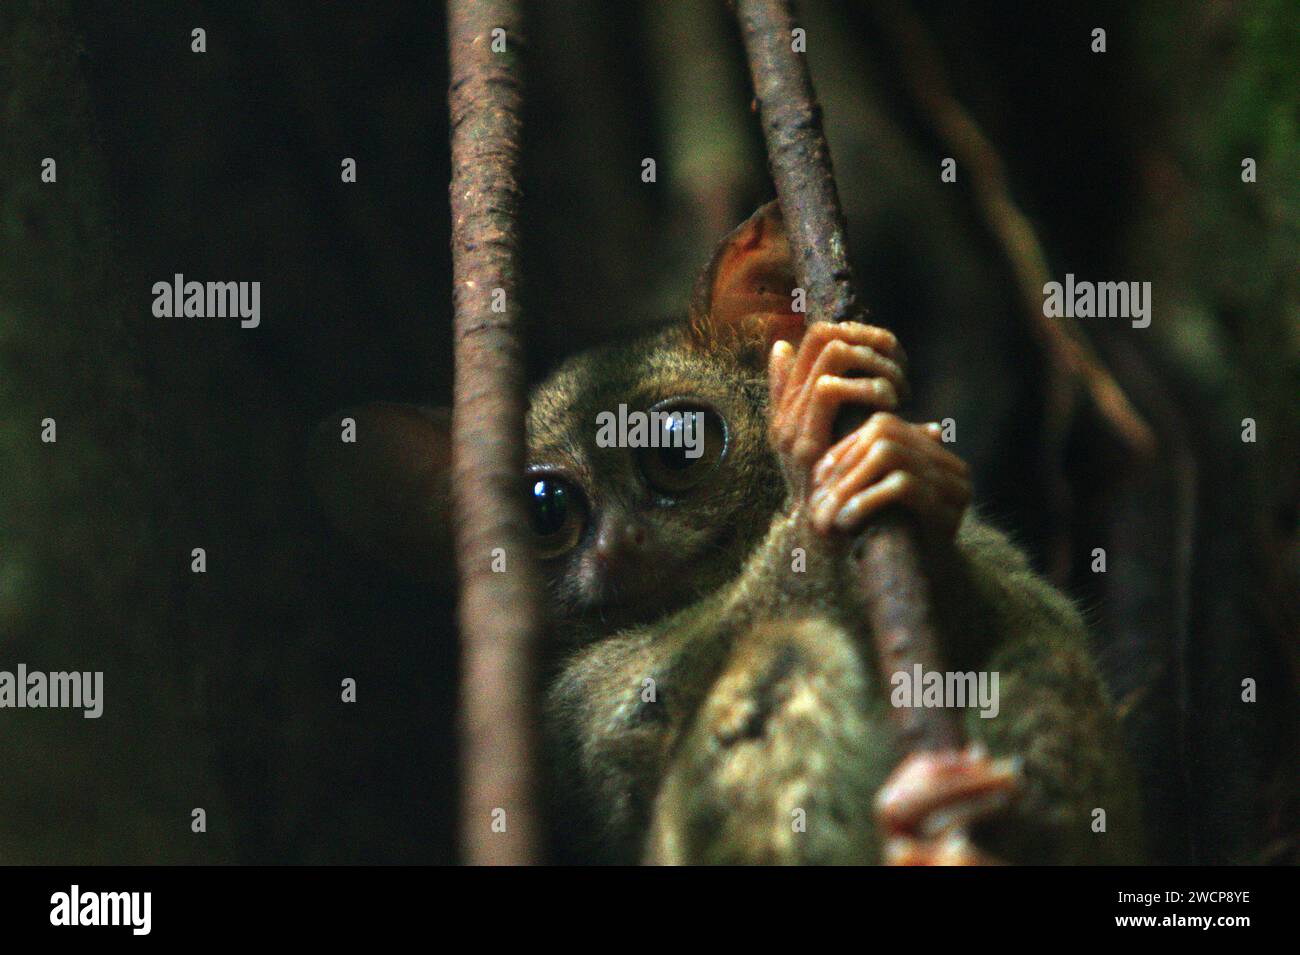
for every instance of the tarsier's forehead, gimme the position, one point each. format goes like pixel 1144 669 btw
pixel 637 374
pixel 564 408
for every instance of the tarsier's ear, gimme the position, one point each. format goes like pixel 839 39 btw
pixel 744 298
pixel 383 474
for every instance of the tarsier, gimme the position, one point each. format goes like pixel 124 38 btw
pixel 711 694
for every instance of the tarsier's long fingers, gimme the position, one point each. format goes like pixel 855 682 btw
pixel 815 340
pixel 821 334
pixel 848 362
pixel 885 461
pixel 931 800
pixel 835 365
pixel 889 461
pixel 779 365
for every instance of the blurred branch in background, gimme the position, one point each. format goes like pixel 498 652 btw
pixel 709 164
pixel 1072 363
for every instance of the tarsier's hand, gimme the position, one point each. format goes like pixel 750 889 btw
pixel 930 801
pixel 885 460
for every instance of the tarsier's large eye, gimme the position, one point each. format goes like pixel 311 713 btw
pixel 559 513
pixel 686 455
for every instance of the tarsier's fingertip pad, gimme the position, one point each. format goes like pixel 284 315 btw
pixel 782 353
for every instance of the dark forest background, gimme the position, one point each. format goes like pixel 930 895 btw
pixel 222 689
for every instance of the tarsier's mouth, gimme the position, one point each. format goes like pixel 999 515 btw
pixel 640 596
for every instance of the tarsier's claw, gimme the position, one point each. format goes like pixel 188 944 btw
pixel 931 800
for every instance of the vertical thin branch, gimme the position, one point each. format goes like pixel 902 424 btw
pixel 499 612
pixel 892 573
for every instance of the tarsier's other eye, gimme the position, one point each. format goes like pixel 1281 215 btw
pixel 688 451
pixel 559 513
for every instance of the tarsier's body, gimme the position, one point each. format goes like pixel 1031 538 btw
pixel 712 694
pixel 750 725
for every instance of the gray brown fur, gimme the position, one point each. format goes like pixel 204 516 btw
pixel 766 701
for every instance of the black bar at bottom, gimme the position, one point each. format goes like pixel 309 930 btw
pixel 336 907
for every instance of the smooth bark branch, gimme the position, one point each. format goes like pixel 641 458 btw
pixel 499 612
pixel 893 579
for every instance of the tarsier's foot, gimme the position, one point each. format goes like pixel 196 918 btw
pixel 931 800
pixel 885 460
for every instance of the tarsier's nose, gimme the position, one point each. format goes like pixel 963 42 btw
pixel 620 537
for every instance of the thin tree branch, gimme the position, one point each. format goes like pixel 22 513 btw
pixel 899 597
pixel 499 612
